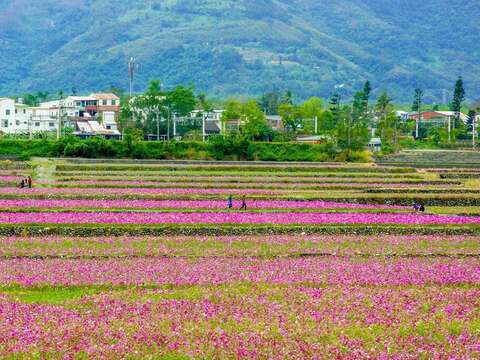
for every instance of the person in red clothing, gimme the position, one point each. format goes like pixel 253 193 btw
pixel 29 181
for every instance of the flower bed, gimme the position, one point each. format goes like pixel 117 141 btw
pixel 180 272
pixel 248 186
pixel 187 204
pixel 244 321
pixel 230 218
pixel 343 271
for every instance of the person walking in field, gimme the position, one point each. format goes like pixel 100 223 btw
pixel 244 203
pixel 230 202
pixel 29 181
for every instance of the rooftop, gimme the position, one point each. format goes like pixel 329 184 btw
pixel 105 96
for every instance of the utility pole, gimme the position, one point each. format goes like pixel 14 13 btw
pixel 168 123
pixel 417 123
pixel 29 126
pixel 474 131
pixel 132 69
pixel 203 126
pixel 59 117
pixel 158 125
pixel 316 125
pixel 449 128
pixel 174 126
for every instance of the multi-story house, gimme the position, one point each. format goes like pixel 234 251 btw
pixel 20 119
pixel 107 103
pixel 102 109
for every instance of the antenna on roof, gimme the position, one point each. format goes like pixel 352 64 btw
pixel 132 69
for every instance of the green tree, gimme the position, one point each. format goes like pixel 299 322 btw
pixel 311 108
pixel 269 103
pixel 149 108
pixel 384 105
pixel 233 112
pixel 291 117
pixel 311 111
pixel 367 91
pixel 388 131
pixel 335 105
pixel 351 135
pixel 254 123
pixel 359 112
pixel 326 122
pixel 30 99
pixel 287 97
pixel 458 99
pixel 417 106
pixel 181 100
pixel 203 103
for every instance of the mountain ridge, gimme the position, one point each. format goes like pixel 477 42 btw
pixel 241 47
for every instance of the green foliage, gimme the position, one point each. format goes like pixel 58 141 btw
pixel 261 45
pixel 232 110
pixel 100 230
pixel 418 100
pixel 291 117
pixel 255 124
pixel 269 103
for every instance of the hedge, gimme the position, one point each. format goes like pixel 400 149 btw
pixel 90 230
pixel 405 199
pixel 228 168
pixel 217 149
pixel 239 174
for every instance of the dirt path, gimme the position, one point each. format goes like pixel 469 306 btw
pixel 44 169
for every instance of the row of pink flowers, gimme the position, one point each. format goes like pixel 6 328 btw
pixel 211 271
pixel 232 218
pixel 242 185
pixel 279 323
pixel 188 204
pixel 133 191
pixel 10 178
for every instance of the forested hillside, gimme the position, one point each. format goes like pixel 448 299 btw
pixel 228 47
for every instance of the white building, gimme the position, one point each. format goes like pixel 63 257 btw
pixel 7 115
pixel 20 119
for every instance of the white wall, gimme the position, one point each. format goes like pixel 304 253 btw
pixel 7 115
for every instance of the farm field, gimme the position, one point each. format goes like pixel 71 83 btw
pixel 145 260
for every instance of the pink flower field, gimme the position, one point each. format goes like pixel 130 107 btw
pixel 231 218
pixel 216 271
pixel 187 204
pixel 94 269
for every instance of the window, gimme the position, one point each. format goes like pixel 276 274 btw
pixel 37 124
pixel 109 127
pixel 24 111
pixel 5 123
pixel 114 102
pixel 17 122
pixel 104 102
pixel 7 112
pixel 16 111
pixel 51 124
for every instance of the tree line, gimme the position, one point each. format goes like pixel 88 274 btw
pixel 348 124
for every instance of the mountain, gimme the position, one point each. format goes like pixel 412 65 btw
pixel 241 47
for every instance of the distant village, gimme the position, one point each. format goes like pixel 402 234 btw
pixel 85 116
pixel 97 115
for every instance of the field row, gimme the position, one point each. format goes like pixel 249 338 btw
pixel 240 246
pixel 254 321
